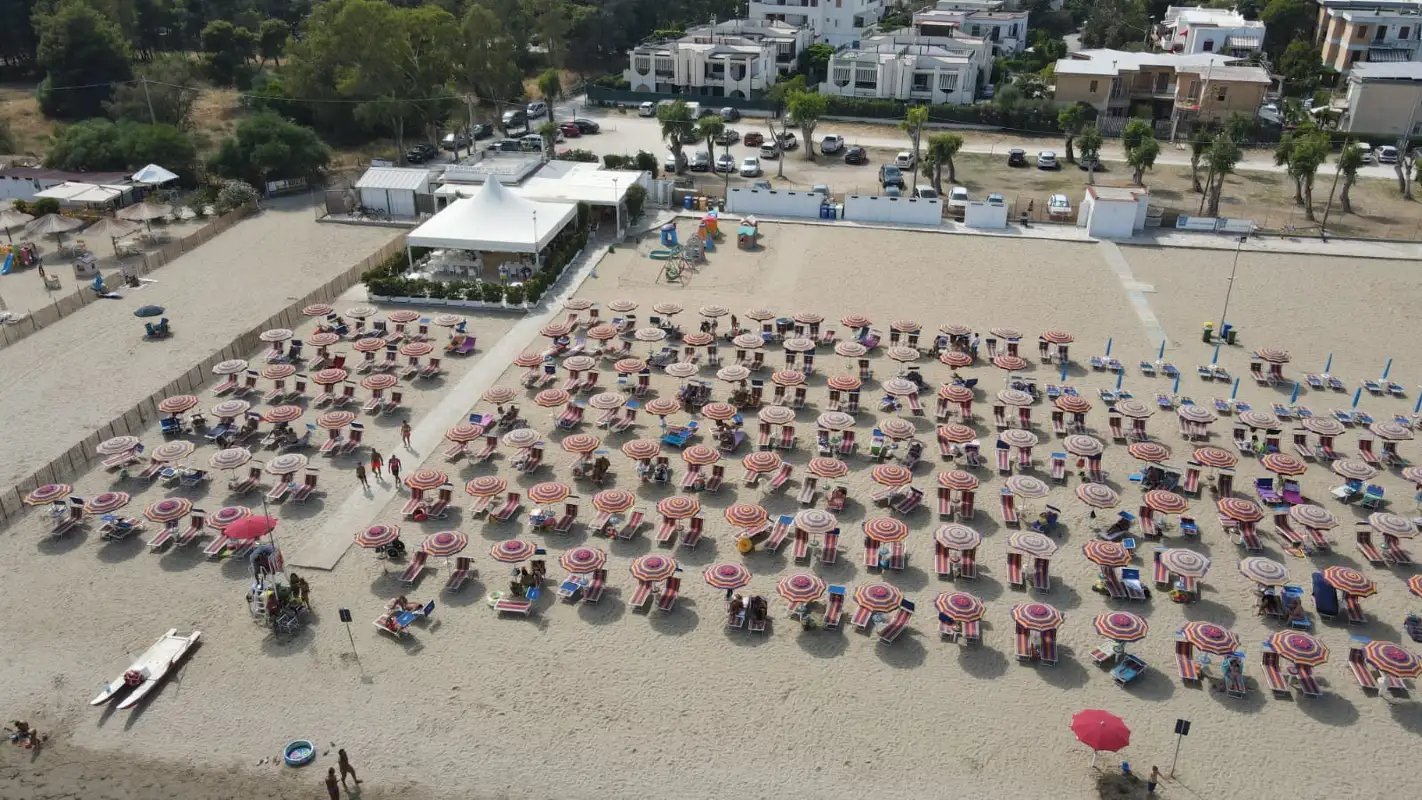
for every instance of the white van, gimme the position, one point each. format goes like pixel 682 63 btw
pixel 647 109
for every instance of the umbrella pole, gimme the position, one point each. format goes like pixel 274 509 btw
pixel 1094 753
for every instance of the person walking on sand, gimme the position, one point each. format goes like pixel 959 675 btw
pixel 394 466
pixel 333 786
pixel 360 476
pixel 405 434
pixel 346 768
pixel 375 462
pixel 1154 779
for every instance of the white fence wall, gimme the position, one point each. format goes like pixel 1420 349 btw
pixel 904 210
pixel 774 203
pixel 991 216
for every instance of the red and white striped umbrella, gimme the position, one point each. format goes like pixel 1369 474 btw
pixel 678 506
pixel 826 467
pixel 956 536
pixel 381 381
pixel 1032 543
pixel 444 544
pixel 555 330
pixel 650 334
pixel 614 501
pixel 835 421
pixel 287 463
pixel 1037 616
pixel 642 449
pixel 958 480
pixel 727 576
pixel 844 383
pixel 230 458
pixel 1325 426
pixel 788 377
pixel 335 420
pixel 1097 495
pixel 1006 333
pixel 1107 554
pixel 878 596
pixel 897 428
pixel 581 443
pixel 746 515
pixel 622 306
pixel 855 321
pixel 168 452
pixel 1058 337
pixel 905 326
pixel 902 353
pixel 1258 419
pixel 1311 516
pixel 629 366
pixel 118 444
pixel 1215 458
pixel 1163 502
pixel 885 529
pixel 426 479
pixel 106 503
pixel 329 376
pixel 228 515
pixel 960 606
pixel 681 369
pixel 447 320
pixel 1121 626
pixel 816 521
pixel 403 316
pixel 1350 581
pixel 1018 437
pixel 1237 508
pixel 1283 464
pixel 369 344
pixel 799 344
pixel 1131 407
pixel 1151 452
pixel 584 559
pixel 957 433
pixel 891 475
pixel 578 304
pixel 748 341
pixel 850 349
pixel 899 387
pixel 463 432
pixel 719 411
pixel 1026 487
pixel 734 373
pixel 669 309
pixel 1391 659
pixel 177 404
pixel 549 492
pixel 519 438
pixel 1353 469
pixel 513 551
pixel 955 329
pixel 807 317
pixel 48 493
pixel 1210 638
pixel 761 461
pixel 654 568
pixel 486 486
pixel 1197 414
pixel 362 312
pixel 579 363
pixel 713 311
pixel 1072 404
pixel 416 349
pixel 373 536
pixel 1264 571
pixel 278 372
pixel 954 358
pixel 232 366
pixel 526 359
pixel 800 587
pixel 1014 397
pixel 697 339
pixel 275 335
pixel 169 509
pixel 1274 355
pixel 662 406
pixel 1010 363
pixel 602 332
pixel 1299 648
pixel 955 393
pixel 777 415
pixel 551 398
pixel 1392 524
pixel 1391 430
pixel 1079 444
pixel 499 395
pixel 282 414
pixel 701 455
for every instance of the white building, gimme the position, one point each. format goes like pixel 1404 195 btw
pixel 837 22
pixel 393 189
pixel 25 183
pixel 738 58
pixel 1113 212
pixel 1352 31
pixel 1006 30
pixel 931 69
pixel 1189 31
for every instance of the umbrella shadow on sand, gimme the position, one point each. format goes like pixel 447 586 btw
pixel 1205 610
pixel 682 620
pixel 611 608
pixel 984 663
pixel 818 643
pixel 1330 709
pixel 1067 674
pixel 906 652
pixel 119 551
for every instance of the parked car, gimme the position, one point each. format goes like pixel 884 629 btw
pixel 1091 163
pixel 788 141
pixel 905 160
pixel 587 126
pixel 728 137
pixel 1058 207
pixel 856 155
pixel 482 130
pixel 893 190
pixel 1047 160
pixel 420 153
pixel 647 110
pixel 454 141
pixel 730 113
pixel 669 165
pixel 514 119
pixel 750 168
pixel 1368 155
pixel 753 139
pixel 505 145
pixel 1387 154
pixel 996 199
pixel 531 143
pixel 536 109
pixel 958 198
pixel 725 163
pixel 1016 157
pixel 570 130
pixel 821 189
pixel 926 193
pixel 890 175
pixel 701 161
pixel 761 185
pixel 831 144
pixel 770 150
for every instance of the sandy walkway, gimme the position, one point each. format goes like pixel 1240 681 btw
pixel 601 701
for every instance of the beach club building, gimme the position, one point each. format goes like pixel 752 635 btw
pixel 473 236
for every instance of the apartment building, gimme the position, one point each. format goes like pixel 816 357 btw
pixel 1384 99
pixel 1006 30
pixel 1205 87
pixel 837 22
pixel 920 69
pixel 737 58
pixel 1353 31
pixel 1189 31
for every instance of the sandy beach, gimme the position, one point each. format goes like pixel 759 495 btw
pixel 603 701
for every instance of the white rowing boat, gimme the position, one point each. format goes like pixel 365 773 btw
pixel 148 669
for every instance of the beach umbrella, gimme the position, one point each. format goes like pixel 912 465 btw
pixel 1264 571
pixel 578 304
pixel 790 377
pixel 557 330
pixel 613 501
pixel 1414 584
pixel 961 606
pixel 957 433
pixel 1412 474
pixel 581 443
pixel 416 349
pixel 746 515
pixel 549 492
pixel 1274 355
pixel 376 536
pixel 1006 333
pixel 322 339
pixel 622 306
pixel 642 449
pixel 116 445
pixel 894 475
pixel 777 415
pixel 362 312
pixel 1387 368
pixel 276 335
pixel 1121 626
pixel 602 332
pixel 1214 457
pixel 231 458
pixel 711 312
pixel 748 341
pixel 520 438
pixel 486 486
pixel 1120 377
pixel 835 421
pixel 1185 563
pixel 579 363
pixel 278 372
pixel 629 366
pixel 1107 554
pixel 698 339
pixel 826 467
pixel 1014 397
pixel 678 507
pixel 1058 337
pixel 898 429
pixel 733 373
pixel 885 529
pixel 669 309
pixel 902 353
pixel 1010 363
pixel 53 225
pixel 1210 638
pixel 287 463
pixel 700 455
pixel 1131 407
pixel 1311 516
pixel 229 514
pixel 1097 495
pixel 583 559
pixel 152 311
pixel 1026 487
pixel 112 228
pixel 317 310
pixel 168 452
pixel 801 344
pixel 526 359
pixel 1037 616
pixel 956 536
pixel 250 527
pixel 761 461
pixel 371 344
pixel 816 521
pixel 548 398
pixel 106 503
pixel 727 576
pixel 1258 419
pixel 954 393
pixel 1214 359
pixel 1071 404
pixel 650 334
pixel 1299 648
pixel 1239 509
pixel 1391 430
pixel 463 432
pixel 1293 396
pixel 1197 414
pixel 1283 464
pixel 958 480
pixel 953 358
pixel 1017 437
pixel 287 413
pixel 513 551
pixel 905 326
pixel 1163 502
pixel 1350 581
pixel 10 218
pixel 451 321
pixel 170 509
pixel 654 568
pixel 48 493
pixel 231 366
pixel 426 479
pixel 1032 543
pixel 1392 524
pixel 662 406
pixel 878 597
pixel 1353 469
pixel 1391 659
pixel 1100 730
pixel 800 587
pixel 443 544
pixel 1080 444
pixel 385 381
pixel 177 404
pixel 954 329
pixel 851 349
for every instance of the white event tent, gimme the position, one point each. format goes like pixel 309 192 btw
pixel 494 221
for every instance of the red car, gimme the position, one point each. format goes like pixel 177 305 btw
pixel 753 139
pixel 570 130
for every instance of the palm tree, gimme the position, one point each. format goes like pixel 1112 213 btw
pixel 678 129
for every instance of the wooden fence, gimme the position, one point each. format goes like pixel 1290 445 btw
pixel 73 463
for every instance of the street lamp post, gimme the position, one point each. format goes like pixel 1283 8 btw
pixel 1229 290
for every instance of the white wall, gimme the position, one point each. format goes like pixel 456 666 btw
pixel 979 214
pixel 25 188
pixel 1108 219
pixel 881 208
pixel 774 203
pixel 395 202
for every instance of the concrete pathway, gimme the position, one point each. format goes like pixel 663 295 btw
pixel 1135 291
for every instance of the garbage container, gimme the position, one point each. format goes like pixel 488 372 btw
pixel 1208 333
pixel 688 202
pixel 1230 333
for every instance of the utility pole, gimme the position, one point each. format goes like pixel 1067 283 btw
pixel 1404 181
pixel 152 118
pixel 1323 226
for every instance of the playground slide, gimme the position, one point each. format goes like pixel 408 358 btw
pixel 9 260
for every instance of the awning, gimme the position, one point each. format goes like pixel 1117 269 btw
pixel 1388 56
pixel 1243 43
pixel 494 220
pixel 79 192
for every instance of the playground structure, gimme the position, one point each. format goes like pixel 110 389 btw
pixel 748 234
pixel 683 257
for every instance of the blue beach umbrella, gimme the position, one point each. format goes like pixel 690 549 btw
pixel 1329 365
pixel 1388 368
pixel 1108 345
pixel 1120 376
pixel 1161 355
pixel 1064 371
pixel 1416 409
pixel 1235 390
pixel 1358 395
pixel 1295 396
pixel 1176 390
pixel 1215 359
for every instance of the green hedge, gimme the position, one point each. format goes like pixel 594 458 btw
pixel 1033 115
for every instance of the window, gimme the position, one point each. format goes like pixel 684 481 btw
pixel 1209 45
pixel 920 81
pixel 1094 86
pixel 977 30
pixel 1353 57
pixel 1220 94
pixel 1380 33
pixel 947 81
pixel 1402 32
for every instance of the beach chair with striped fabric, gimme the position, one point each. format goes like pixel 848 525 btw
pixel 973 631
pixel 862 619
pixel 513 605
pixel 1301 445
pixel 781 477
pixel 1024 417
pixel 871 554
pixel 999 417
pixel 786 440
pixel 1150 527
pixel 940 410
pixel 1185 661
pixel 968 564
pixel 1009 507
pixel 1162 575
pixel 1117 434
pixel 1354 609
pixel 1190 485
pixel 1023 640
pixel 634 523
pixel 966 510
pixel 910 502
pixel 1004 459
pixel 164 535
pixel 463 569
pixel 807 490
pixel 1059 423
pixel 942 561
pixel 668 599
pixel 948 628
pixel 666 532
pixel 846 444
pixel 641 596
pixel 945 502
pixel 1114 588
pixel 898 556
pixel 1249 537
pixel 1286 533
pixel 693 474
pixel 834 608
pixel 1048 655
pixel 801 549
pixel 915 405
pixel 764 441
pixel 1359 667
pixel 829 549
pixel 511 505
pixel 1392 548
pixel 1059 461
pixel 1041 575
pixel 1308 684
pixel 1273 674
pixel 1024 459
pixel 779 533
pixel 1014 570
pixel 415 568
pixel 898 623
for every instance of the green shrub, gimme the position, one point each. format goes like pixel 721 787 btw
pixel 514 295
pixel 492 292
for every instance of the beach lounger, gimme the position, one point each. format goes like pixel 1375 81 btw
pixel 1041 575
pixel 1009 507
pixel 513 605
pixel 666 532
pixel 693 533
pixel 1131 580
pixel 834 608
pixel 511 505
pixel 781 477
pixel 667 602
pixel 1014 570
pixel 1130 668
pixel 1308 684
pixel 966 509
pixel 829 549
pixel 1185 662
pixel 807 490
pixel 942 561
pixel 416 567
pixel 779 533
pixel 1023 643
pixel 1369 550
pixel 862 618
pixel 463 568
pixel 641 596
pixel 1354 609
pixel 898 623
pixel 909 502
pixel 846 444
pixel 1359 667
pixel 801 548
pixel 1249 537
pixel 1117 434
pixel 633 524
pixel 158 540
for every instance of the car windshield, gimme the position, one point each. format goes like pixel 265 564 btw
pixel 891 171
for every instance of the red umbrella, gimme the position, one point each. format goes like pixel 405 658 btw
pixel 253 527
pixel 1100 730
